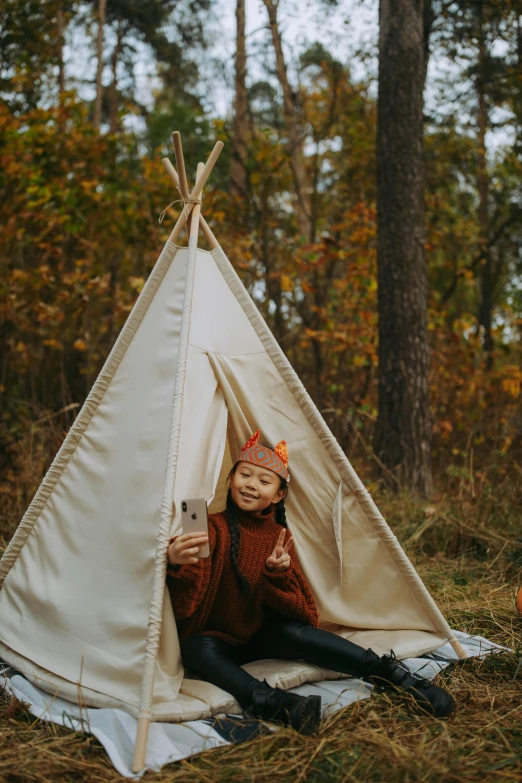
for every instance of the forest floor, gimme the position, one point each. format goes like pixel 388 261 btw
pixel 467 547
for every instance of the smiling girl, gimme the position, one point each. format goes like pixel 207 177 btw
pixel 250 601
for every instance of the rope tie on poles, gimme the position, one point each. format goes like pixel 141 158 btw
pixel 184 201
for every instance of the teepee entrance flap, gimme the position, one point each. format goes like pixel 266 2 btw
pixel 375 592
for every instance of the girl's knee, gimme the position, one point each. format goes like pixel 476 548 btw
pixel 197 650
pixel 291 629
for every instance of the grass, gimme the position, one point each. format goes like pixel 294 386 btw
pixel 467 547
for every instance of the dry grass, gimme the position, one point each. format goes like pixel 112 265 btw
pixel 379 739
pixel 467 547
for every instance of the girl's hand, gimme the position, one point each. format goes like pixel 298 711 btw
pixel 280 560
pixel 185 548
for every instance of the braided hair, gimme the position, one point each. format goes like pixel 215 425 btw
pixel 233 527
pixel 280 511
pixel 234 530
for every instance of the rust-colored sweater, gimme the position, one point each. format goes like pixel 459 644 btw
pixel 206 597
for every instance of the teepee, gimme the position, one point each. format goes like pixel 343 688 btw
pixel 84 612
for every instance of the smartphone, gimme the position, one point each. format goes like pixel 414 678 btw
pixel 194 520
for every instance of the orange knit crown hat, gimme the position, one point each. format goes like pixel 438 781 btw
pixel 256 454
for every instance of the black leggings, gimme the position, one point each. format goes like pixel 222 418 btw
pixel 219 662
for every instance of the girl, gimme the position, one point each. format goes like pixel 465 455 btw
pixel 249 601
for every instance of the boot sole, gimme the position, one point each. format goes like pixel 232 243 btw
pixel 425 705
pixel 420 699
pixel 309 716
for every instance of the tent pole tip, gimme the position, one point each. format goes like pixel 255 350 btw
pixel 140 749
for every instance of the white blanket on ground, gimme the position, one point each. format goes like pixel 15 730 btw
pixel 116 730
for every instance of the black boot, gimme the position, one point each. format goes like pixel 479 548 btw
pixel 388 672
pixel 302 713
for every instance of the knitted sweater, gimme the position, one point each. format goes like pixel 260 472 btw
pixel 206 597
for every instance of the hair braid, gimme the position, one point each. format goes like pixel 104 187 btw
pixel 280 513
pixel 233 527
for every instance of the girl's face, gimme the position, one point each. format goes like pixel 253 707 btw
pixel 254 489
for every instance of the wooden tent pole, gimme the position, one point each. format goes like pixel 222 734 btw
pixel 196 212
pixel 154 625
pixel 180 164
pixel 209 235
pixel 140 747
pixel 198 187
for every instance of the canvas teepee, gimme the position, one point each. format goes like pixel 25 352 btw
pixel 83 606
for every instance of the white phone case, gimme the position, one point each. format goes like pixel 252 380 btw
pixel 194 520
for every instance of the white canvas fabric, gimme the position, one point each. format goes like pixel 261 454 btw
pixel 77 603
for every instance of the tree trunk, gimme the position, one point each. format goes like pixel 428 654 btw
pixel 485 313
pixel 403 436
pixel 238 167
pixel 113 89
pixel 102 7
pixel 519 64
pixel 60 28
pixel 428 19
pixel 290 113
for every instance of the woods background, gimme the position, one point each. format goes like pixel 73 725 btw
pixel 294 201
